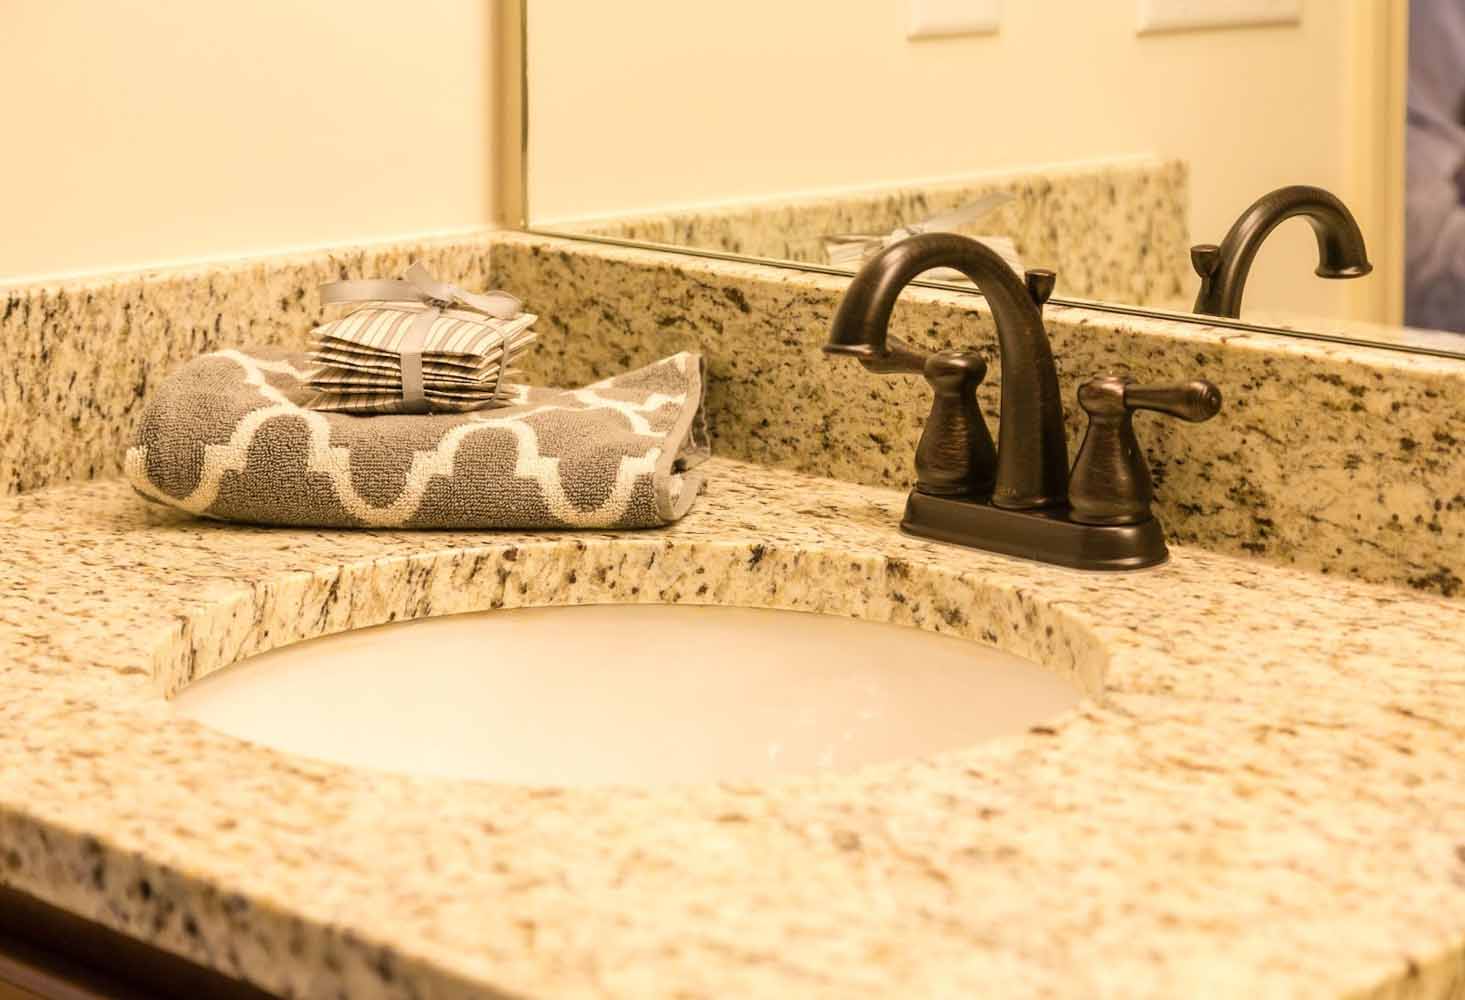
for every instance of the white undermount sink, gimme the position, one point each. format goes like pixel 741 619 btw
pixel 626 694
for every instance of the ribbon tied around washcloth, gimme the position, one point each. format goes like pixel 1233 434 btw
pixel 418 286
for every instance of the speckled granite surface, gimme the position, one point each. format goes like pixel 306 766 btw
pixel 1348 460
pixel 1342 459
pixel 1264 796
pixel 79 358
pixel 1113 231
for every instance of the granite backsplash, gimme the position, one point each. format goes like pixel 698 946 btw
pixel 1341 459
pixel 79 358
pixel 1345 460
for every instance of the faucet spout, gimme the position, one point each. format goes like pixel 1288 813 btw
pixel 1032 453
pixel 1223 269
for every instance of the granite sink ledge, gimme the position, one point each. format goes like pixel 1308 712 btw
pixel 1264 795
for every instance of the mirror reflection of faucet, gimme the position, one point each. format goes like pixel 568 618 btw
pixel 1018 497
pixel 1223 269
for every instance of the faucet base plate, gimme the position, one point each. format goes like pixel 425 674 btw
pixel 1046 535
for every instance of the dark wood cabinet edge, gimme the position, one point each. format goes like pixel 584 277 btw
pixel 60 956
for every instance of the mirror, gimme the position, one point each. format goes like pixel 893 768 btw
pixel 1101 139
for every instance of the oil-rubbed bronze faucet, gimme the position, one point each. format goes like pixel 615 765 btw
pixel 1223 269
pixel 1017 498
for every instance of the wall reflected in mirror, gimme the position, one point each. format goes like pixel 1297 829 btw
pixel 1102 139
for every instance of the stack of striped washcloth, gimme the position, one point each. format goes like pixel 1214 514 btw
pixel 416 345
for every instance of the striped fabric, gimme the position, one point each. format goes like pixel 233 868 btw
pixel 465 359
pixel 382 327
pixel 391 402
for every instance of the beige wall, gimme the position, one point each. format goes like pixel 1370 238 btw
pixel 146 132
pixel 646 104
pixel 139 132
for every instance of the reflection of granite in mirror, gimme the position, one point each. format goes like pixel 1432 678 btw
pixel 1413 338
pixel 1113 230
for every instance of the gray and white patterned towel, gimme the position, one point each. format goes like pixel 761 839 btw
pixel 229 436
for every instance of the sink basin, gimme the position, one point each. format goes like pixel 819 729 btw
pixel 626 694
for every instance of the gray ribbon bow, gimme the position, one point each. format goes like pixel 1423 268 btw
pixel 417 285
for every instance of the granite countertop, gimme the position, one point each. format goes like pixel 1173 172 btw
pixel 1264 795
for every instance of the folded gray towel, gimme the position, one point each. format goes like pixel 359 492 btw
pixel 228 436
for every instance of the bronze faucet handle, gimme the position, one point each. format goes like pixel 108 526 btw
pixel 1193 401
pixel 1110 482
pixel 1040 283
pixel 955 456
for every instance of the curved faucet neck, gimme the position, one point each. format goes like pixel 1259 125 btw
pixel 1223 270
pixel 1032 453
